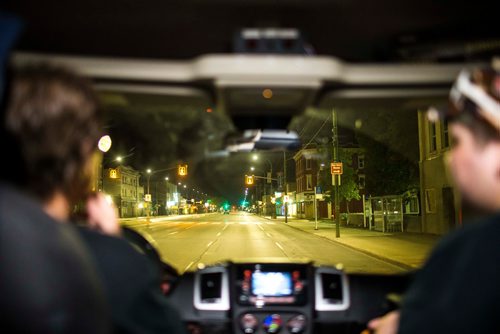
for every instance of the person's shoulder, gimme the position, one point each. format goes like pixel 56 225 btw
pixel 18 208
pixel 473 241
pixel 32 244
pixel 484 230
pixel 113 250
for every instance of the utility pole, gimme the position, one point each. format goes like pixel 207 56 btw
pixel 315 211
pixel 273 206
pixel 286 187
pixel 336 178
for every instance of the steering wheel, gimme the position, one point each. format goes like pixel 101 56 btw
pixel 140 243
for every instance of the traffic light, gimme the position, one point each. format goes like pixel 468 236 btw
pixel 249 180
pixel 182 170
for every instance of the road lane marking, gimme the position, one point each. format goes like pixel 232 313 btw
pixel 218 234
pixel 225 227
pixel 243 223
pixel 210 244
pixel 268 235
pixel 261 227
pixel 216 223
pixel 277 244
pixel 188 266
pixel 173 232
pixel 203 223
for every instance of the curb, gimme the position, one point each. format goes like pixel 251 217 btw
pixel 379 257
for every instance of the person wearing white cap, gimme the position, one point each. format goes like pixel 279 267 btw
pixel 457 290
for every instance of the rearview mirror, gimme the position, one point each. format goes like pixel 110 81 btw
pixel 266 140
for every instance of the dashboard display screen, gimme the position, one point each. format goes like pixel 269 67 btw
pixel 271 284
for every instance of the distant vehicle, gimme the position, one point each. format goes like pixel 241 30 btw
pixel 226 212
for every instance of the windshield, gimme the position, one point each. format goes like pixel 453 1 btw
pixel 394 199
pixel 350 172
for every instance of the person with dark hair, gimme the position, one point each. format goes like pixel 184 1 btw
pixel 48 282
pixel 457 289
pixel 54 117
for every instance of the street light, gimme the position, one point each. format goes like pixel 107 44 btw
pixel 166 178
pixel 252 168
pixel 104 143
pixel 149 176
pixel 255 157
pixel 119 159
pixel 148 171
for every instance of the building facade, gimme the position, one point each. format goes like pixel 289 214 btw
pixel 440 207
pixel 308 171
pixel 122 184
pixel 307 174
pixel 172 199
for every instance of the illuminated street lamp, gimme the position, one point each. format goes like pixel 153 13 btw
pixel 119 159
pixel 252 168
pixel 166 178
pixel 104 143
pixel 149 176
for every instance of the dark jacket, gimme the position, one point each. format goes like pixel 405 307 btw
pixel 48 283
pixel 458 291
pixel 132 284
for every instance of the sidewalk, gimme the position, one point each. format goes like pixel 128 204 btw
pixel 409 250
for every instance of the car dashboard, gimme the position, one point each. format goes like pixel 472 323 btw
pixel 281 298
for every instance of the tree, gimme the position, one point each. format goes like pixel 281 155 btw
pixel 390 142
pixel 349 188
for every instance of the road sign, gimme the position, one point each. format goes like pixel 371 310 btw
pixel 336 168
pixel 147 197
pixel 249 180
pixel 268 177
pixel 286 199
pixel 182 170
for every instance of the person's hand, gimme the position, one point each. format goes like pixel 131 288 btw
pixel 388 324
pixel 102 215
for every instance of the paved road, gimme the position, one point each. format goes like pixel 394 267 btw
pixel 185 242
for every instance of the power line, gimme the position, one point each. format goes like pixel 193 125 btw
pixel 317 132
pixel 305 126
